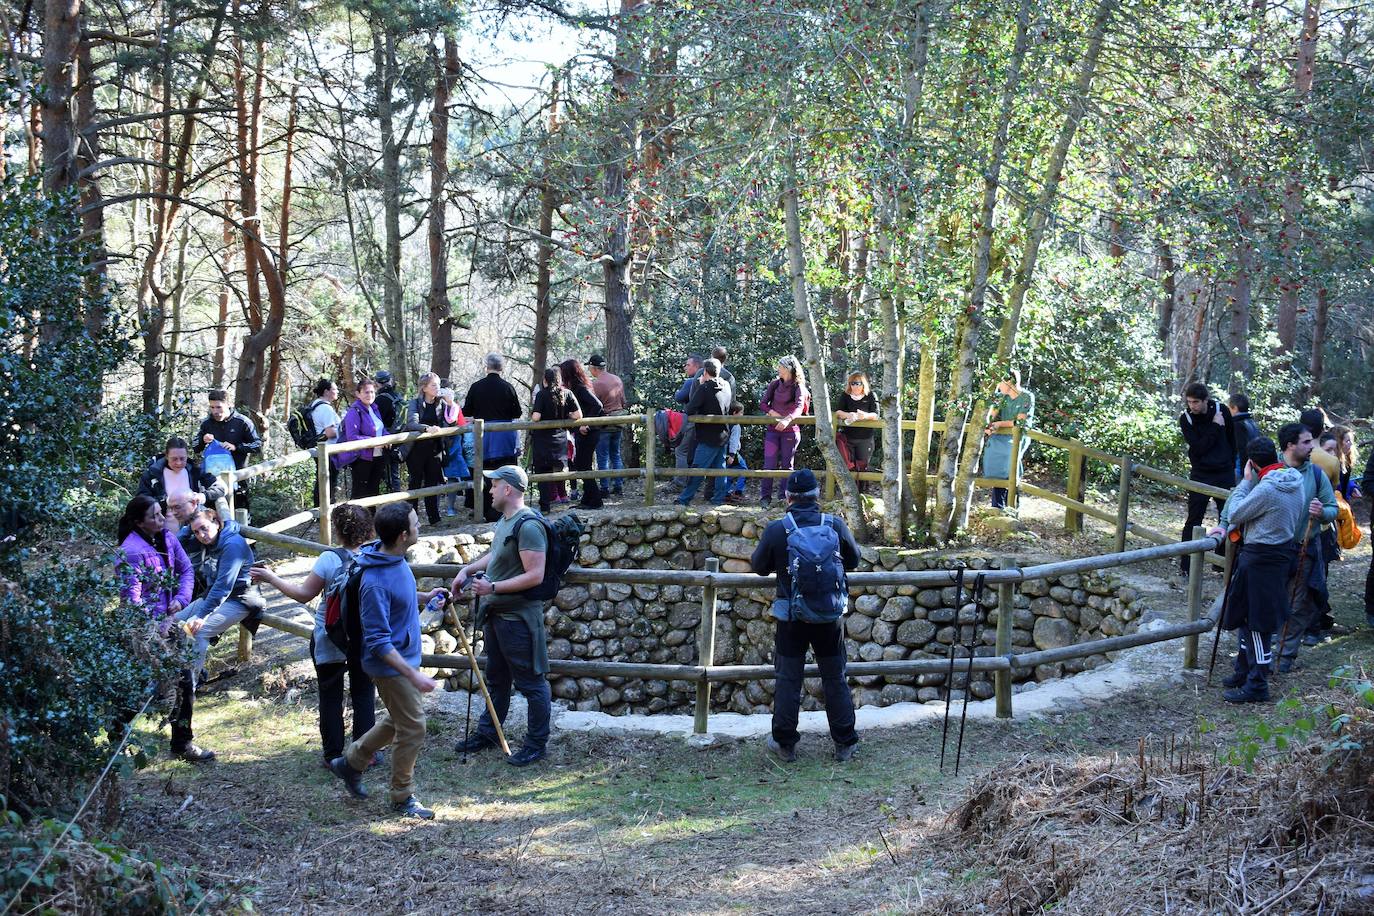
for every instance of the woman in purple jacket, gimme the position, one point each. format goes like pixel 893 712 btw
pixel 152 559
pixel 362 421
pixel 785 399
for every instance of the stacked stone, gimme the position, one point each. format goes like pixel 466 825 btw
pixel 658 623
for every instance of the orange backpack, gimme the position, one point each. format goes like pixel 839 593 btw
pixel 1348 534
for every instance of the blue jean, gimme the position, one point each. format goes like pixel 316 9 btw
pixel 706 456
pixel 737 484
pixel 608 458
pixel 510 659
pixel 216 622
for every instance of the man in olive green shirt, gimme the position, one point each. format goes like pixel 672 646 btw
pixel 512 624
pixel 1013 406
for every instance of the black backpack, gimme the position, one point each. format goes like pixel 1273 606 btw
pixel 343 623
pixel 301 426
pixel 563 535
pixel 390 407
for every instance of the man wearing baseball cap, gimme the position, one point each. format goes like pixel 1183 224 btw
pixel 793 636
pixel 512 624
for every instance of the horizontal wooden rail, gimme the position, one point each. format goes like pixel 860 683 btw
pixel 276 464
pixel 1183 483
pixel 357 445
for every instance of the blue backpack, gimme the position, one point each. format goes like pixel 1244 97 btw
pixel 820 588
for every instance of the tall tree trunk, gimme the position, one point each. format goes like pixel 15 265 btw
pixel 217 359
pixel 439 311
pixel 1168 281
pixel 92 210
pixel 1241 294
pixel 1290 235
pixel 616 256
pixel 1036 219
pixel 925 421
pixel 170 380
pixel 964 369
pixel 1319 323
pixel 61 35
pixel 543 259
pixel 811 345
pixel 384 60
pixel 840 255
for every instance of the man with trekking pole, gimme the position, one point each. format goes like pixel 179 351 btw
pixel 1263 511
pixel 1295 445
pixel 512 620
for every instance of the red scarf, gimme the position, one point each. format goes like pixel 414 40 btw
pixel 1272 467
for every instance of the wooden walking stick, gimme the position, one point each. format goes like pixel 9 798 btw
pixel 968 676
pixel 1292 592
pixel 477 673
pixel 949 679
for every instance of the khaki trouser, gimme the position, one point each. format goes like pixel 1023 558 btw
pixel 401 724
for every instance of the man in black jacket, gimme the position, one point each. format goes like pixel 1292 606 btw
pixel 1210 432
pixel 709 398
pixel 1246 429
pixel 493 399
pixel 235 432
pixel 794 636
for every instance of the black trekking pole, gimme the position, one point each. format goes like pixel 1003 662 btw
pixel 949 679
pixel 968 676
pixel 467 721
pixel 1221 612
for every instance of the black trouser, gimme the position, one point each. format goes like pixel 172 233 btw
pixel 545 462
pixel 333 485
pixel 826 641
pixel 489 463
pixel 861 453
pixel 1369 593
pixel 1254 658
pixel 367 476
pixel 426 469
pixel 510 661
pixel 1197 507
pixel 362 693
pixel 393 471
pixel 584 458
pixel 181 714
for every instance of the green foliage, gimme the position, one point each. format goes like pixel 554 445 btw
pixel 80 875
pixel 74 662
pixel 56 347
pixel 1330 723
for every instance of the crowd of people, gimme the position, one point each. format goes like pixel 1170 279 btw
pixel 1287 495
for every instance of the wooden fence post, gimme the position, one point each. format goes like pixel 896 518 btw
pixel 322 473
pixel 479 480
pixel 1073 519
pixel 1001 680
pixel 226 480
pixel 650 449
pixel 1123 505
pixel 1195 562
pixel 706 647
pixel 245 635
pixel 1014 468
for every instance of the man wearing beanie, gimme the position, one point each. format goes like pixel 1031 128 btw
pixel 826 640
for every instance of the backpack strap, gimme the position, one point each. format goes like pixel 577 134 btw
pixel 789 523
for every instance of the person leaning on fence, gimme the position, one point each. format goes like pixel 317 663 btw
pixel 584 437
pixel 1210 434
pixel 151 559
pixel 686 440
pixel 1263 510
pixel 232 430
pixel 424 458
pixel 493 399
pixel 512 624
pixel 389 611
pixel 785 399
pixel 325 424
pixel 610 390
pixel 361 421
pixel 352 525
pixel 549 447
pixel 734 458
pixel 709 399
pixel 222 559
pixel 856 405
pixel 458 464
pixel 1013 406
pixel 811 618
pixel 1295 446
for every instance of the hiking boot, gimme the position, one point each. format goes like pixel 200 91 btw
pixel 785 754
pixel 1286 665
pixel 411 807
pixel 352 779
pixel 844 752
pixel 194 753
pixel 1241 695
pixel 1336 629
pixel 1311 639
pixel 525 756
pixel 474 744
pixel 1233 680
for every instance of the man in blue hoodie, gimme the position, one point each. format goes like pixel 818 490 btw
pixel 222 559
pixel 390 613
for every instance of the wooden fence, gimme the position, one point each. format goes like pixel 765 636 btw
pixel 1072 499
pixel 711 580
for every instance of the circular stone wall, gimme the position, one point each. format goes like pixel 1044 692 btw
pixel 658 623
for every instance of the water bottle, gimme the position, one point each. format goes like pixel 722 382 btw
pixel 437 602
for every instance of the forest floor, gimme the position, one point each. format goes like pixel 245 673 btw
pixel 648 824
